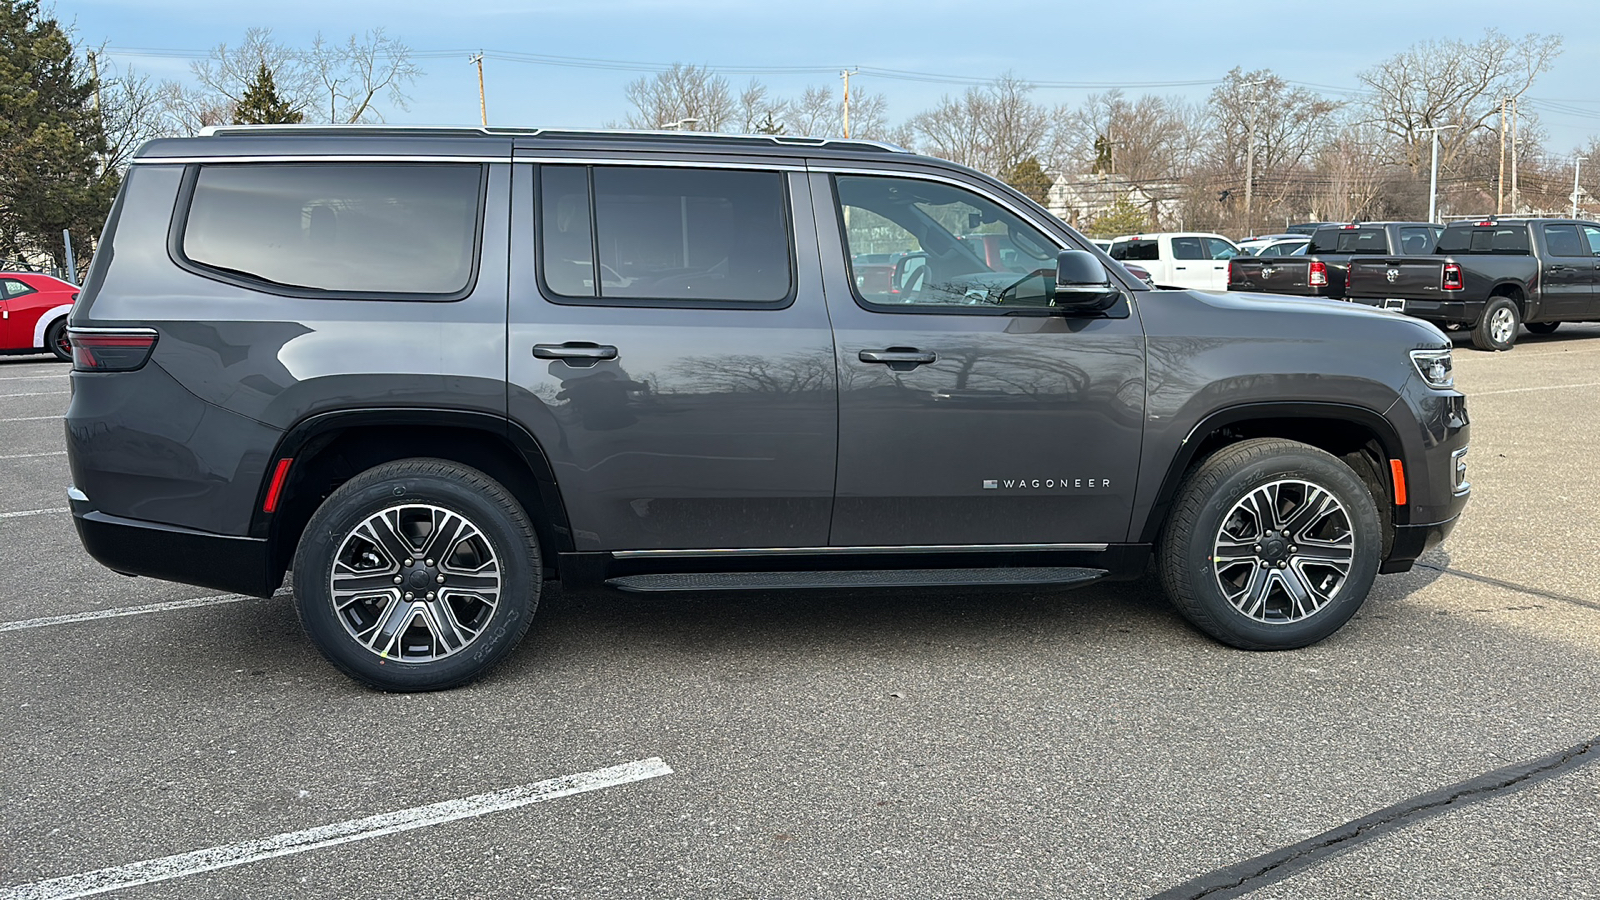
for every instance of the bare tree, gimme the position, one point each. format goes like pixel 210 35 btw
pixel 1147 140
pixel 339 83
pixel 992 128
pixel 681 93
pixel 353 74
pixel 761 113
pixel 1451 82
pixel 132 110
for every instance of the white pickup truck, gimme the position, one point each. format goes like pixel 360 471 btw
pixel 1181 259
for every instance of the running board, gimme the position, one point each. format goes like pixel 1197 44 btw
pixel 1054 576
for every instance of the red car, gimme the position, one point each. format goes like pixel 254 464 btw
pixel 33 313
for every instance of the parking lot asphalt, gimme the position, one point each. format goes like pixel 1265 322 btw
pixel 897 744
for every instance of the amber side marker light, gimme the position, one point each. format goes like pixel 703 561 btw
pixel 279 476
pixel 1398 470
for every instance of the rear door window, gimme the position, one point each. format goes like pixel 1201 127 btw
pixel 13 287
pixel 665 236
pixel 1220 249
pixel 1563 240
pixel 1592 233
pixel 342 228
pixel 1188 248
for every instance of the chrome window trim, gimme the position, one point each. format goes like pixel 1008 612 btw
pixel 315 158
pixel 842 551
pixel 660 163
pixel 1458 483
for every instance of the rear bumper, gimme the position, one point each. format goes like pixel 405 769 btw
pixel 132 547
pixel 1449 312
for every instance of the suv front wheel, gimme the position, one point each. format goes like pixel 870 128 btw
pixel 1272 545
pixel 417 575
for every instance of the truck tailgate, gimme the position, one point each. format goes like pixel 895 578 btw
pixel 1282 275
pixel 1396 277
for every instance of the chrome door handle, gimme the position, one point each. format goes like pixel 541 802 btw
pixel 575 353
pixel 900 359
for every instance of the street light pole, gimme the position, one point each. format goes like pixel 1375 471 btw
pixel 1250 163
pixel 1433 178
pixel 1577 163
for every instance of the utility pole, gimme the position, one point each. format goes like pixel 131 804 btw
pixel 846 76
pixel 1433 179
pixel 1250 164
pixel 483 106
pixel 1577 163
pixel 1500 185
pixel 1516 199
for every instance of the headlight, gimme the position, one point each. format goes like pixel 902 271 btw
pixel 1434 367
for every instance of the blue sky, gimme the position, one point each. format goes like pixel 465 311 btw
pixel 1125 43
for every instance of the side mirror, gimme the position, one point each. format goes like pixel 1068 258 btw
pixel 1082 282
pixel 904 278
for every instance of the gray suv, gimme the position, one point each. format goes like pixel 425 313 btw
pixel 431 370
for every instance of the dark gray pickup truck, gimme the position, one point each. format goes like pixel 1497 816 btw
pixel 1492 276
pixel 1321 271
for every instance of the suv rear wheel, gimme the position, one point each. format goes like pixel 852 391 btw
pixel 1272 545
pixel 417 575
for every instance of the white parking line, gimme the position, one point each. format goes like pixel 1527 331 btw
pixel 33 512
pixel 1543 387
pixel 32 377
pixel 228 855
pixel 32 455
pixel 120 611
pixel 33 394
pixel 30 419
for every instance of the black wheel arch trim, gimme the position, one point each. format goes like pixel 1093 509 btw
pixel 328 423
pixel 1368 418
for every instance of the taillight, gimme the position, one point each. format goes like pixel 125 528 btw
pixel 1319 274
pixel 1230 271
pixel 110 349
pixel 1452 277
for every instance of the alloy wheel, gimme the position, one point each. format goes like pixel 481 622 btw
pixel 1283 551
pixel 415 582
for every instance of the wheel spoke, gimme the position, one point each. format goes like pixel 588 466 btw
pixel 1340 554
pixel 1318 503
pixel 1299 593
pixel 387 628
pixel 350 581
pixel 448 530
pixel 384 530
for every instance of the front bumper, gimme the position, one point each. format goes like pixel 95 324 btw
pixel 1411 541
pixel 237 565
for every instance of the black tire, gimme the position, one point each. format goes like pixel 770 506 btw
pixel 55 338
pixel 1497 328
pixel 1288 472
pixel 493 563
pixel 1542 327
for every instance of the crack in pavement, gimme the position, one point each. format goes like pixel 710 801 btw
pixel 1269 868
pixel 1511 586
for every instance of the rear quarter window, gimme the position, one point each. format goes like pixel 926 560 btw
pixel 358 230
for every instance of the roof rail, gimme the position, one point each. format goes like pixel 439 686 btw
pixel 691 137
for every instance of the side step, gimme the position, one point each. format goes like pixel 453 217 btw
pixel 1056 576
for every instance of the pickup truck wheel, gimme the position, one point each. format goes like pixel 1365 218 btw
pixel 1272 545
pixel 1497 330
pixel 1543 327
pixel 417 575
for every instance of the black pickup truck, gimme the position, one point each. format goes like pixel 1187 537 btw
pixel 1492 276
pixel 1321 271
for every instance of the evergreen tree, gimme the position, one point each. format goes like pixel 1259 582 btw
pixel 769 126
pixel 261 104
pixel 50 135
pixel 1030 178
pixel 1122 217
